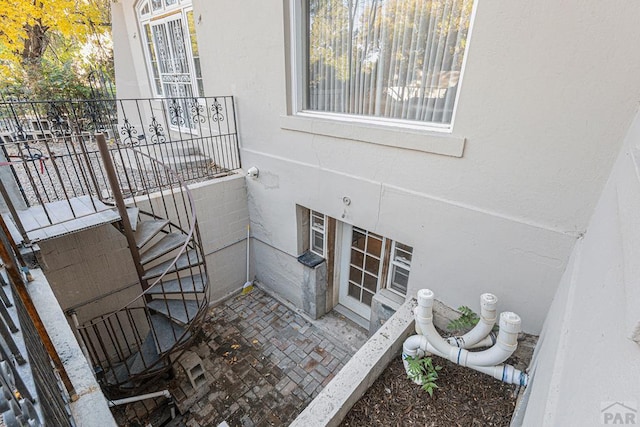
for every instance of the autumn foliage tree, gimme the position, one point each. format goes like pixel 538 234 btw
pixel 41 40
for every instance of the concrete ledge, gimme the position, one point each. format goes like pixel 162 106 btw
pixel 91 408
pixel 334 402
pixel 376 131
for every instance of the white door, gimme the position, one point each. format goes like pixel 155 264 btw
pixel 361 269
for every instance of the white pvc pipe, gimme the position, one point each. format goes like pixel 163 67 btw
pixel 484 326
pixel 414 346
pixel 424 321
pixel 418 346
pixel 487 341
pixel 505 346
pixel 248 252
pixel 80 340
pixel 487 361
pixel 132 399
pixel 505 373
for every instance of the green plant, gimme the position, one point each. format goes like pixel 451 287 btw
pixel 422 370
pixel 467 320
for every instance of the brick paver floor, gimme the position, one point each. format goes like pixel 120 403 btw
pixel 264 364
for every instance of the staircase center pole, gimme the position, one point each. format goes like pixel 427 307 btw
pixel 122 208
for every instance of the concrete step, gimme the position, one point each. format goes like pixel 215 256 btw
pixel 163 246
pixel 190 284
pixel 147 230
pixel 188 259
pixel 168 333
pixel 132 213
pixel 179 311
pixel 118 374
pixel 145 358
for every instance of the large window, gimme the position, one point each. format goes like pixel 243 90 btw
pixel 170 47
pixel 393 59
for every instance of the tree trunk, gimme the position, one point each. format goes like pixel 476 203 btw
pixel 35 45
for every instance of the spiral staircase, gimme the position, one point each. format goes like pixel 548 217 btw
pixel 55 182
pixel 136 343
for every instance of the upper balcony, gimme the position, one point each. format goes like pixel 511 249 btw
pixel 55 182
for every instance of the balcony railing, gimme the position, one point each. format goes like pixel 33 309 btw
pixel 35 385
pixel 50 148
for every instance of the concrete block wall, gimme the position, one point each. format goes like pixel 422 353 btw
pixel 223 216
pixel 278 270
pixel 84 265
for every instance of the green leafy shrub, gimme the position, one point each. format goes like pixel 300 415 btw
pixel 467 320
pixel 423 371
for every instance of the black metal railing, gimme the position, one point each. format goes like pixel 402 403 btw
pixel 51 151
pixel 50 394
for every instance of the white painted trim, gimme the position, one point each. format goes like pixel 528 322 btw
pixel 295 50
pixel 162 17
pixel 392 265
pixel 296 46
pixel 387 133
pixel 472 20
pixel 345 263
pixel 349 302
pixel 323 232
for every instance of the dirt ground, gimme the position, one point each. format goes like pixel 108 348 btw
pixel 464 397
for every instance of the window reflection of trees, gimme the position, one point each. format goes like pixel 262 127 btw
pixel 388 58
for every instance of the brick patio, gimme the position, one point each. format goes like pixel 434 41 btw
pixel 264 363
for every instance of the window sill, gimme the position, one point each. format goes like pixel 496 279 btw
pixel 390 299
pixel 387 134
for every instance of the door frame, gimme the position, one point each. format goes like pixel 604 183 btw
pixel 345 243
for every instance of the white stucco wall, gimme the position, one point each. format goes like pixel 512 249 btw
pixel 547 94
pixel 131 78
pixel 586 355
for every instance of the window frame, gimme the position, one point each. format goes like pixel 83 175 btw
pixel 322 231
pixel 393 264
pixel 298 42
pixel 162 16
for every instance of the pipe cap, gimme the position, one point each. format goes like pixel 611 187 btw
pixel 488 301
pixel 425 297
pixel 510 322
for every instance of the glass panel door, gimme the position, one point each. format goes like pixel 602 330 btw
pixel 175 72
pixel 362 253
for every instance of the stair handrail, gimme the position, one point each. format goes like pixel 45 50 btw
pixel 125 342
pixel 102 142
